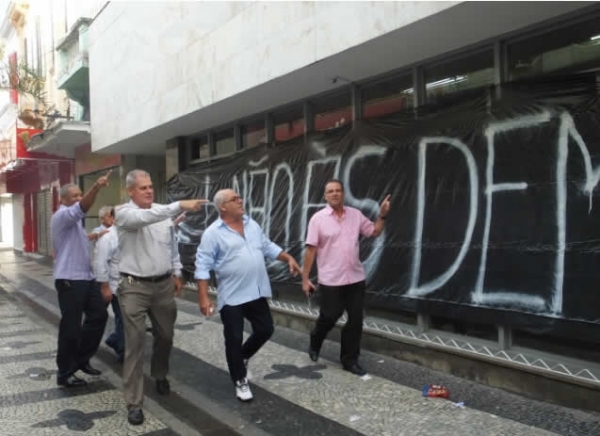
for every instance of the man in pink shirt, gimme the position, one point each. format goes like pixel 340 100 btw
pixel 333 237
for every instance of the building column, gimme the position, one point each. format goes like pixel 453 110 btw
pixel 29 224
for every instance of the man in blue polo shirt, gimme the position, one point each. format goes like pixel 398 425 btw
pixel 78 292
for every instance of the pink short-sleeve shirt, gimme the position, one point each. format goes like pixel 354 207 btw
pixel 336 239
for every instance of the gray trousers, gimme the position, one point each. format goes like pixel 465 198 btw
pixel 136 300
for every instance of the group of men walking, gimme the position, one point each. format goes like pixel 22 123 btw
pixel 138 271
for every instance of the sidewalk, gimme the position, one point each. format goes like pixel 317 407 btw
pixel 32 404
pixel 294 396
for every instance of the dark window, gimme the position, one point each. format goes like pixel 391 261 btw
pixel 199 148
pixel 253 133
pixel 289 124
pixel 387 97
pixel 332 111
pixel 463 74
pixel 225 142
pixel 574 48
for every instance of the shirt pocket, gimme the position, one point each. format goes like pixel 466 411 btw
pixel 163 235
pixel 331 233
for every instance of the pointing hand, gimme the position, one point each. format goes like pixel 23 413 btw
pixel 385 207
pixel 103 181
pixel 192 205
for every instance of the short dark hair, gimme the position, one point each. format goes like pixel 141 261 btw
pixel 339 182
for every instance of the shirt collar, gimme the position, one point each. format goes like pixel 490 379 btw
pixel 330 210
pixel 219 222
pixel 64 206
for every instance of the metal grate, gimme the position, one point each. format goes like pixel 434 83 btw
pixel 406 334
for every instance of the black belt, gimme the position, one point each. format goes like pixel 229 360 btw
pixel 152 279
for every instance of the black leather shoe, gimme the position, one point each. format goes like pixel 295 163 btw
pixel 163 387
pixel 89 369
pixel 135 416
pixel 314 355
pixel 355 369
pixel 71 381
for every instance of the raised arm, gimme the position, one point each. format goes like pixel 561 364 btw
pixel 383 212
pixel 88 199
pixel 130 218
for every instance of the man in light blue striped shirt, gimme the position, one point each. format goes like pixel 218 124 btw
pixel 235 247
pixel 78 292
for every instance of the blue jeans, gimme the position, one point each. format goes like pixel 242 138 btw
pixel 116 340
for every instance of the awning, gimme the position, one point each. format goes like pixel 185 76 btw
pixel 22 170
pixel 62 139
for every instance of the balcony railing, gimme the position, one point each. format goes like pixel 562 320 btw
pixel 72 75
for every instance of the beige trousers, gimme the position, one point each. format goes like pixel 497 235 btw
pixel 158 301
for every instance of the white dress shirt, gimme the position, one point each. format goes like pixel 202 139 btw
pixel 147 243
pixel 106 265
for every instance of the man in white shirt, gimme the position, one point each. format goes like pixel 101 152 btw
pixel 150 277
pixel 107 275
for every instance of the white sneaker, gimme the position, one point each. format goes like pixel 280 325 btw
pixel 248 373
pixel 242 390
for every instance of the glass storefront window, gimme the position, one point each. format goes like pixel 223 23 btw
pixel 387 97
pixel 466 73
pixel 332 111
pixel 225 142
pixel 289 124
pixel 253 133
pixel 574 48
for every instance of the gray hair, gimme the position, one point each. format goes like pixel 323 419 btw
pixel 64 189
pixel 132 177
pixel 220 198
pixel 104 210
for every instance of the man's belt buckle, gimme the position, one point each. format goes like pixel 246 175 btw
pixel 151 279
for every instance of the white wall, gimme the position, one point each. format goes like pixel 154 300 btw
pixel 154 62
pixel 18 217
pixel 6 216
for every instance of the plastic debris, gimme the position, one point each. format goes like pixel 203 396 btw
pixel 460 404
pixel 437 391
pixel 366 377
pixel 380 361
pixel 354 418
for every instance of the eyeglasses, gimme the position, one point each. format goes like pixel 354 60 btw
pixel 236 198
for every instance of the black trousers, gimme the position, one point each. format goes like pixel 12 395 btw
pixel 259 315
pixel 78 342
pixel 334 300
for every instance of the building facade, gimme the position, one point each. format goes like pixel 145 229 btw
pixel 242 94
pixel 47 139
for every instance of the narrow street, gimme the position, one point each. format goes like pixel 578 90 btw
pixel 293 396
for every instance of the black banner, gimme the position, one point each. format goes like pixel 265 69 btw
pixel 494 210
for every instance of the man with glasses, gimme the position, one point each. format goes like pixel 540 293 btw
pixel 235 247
